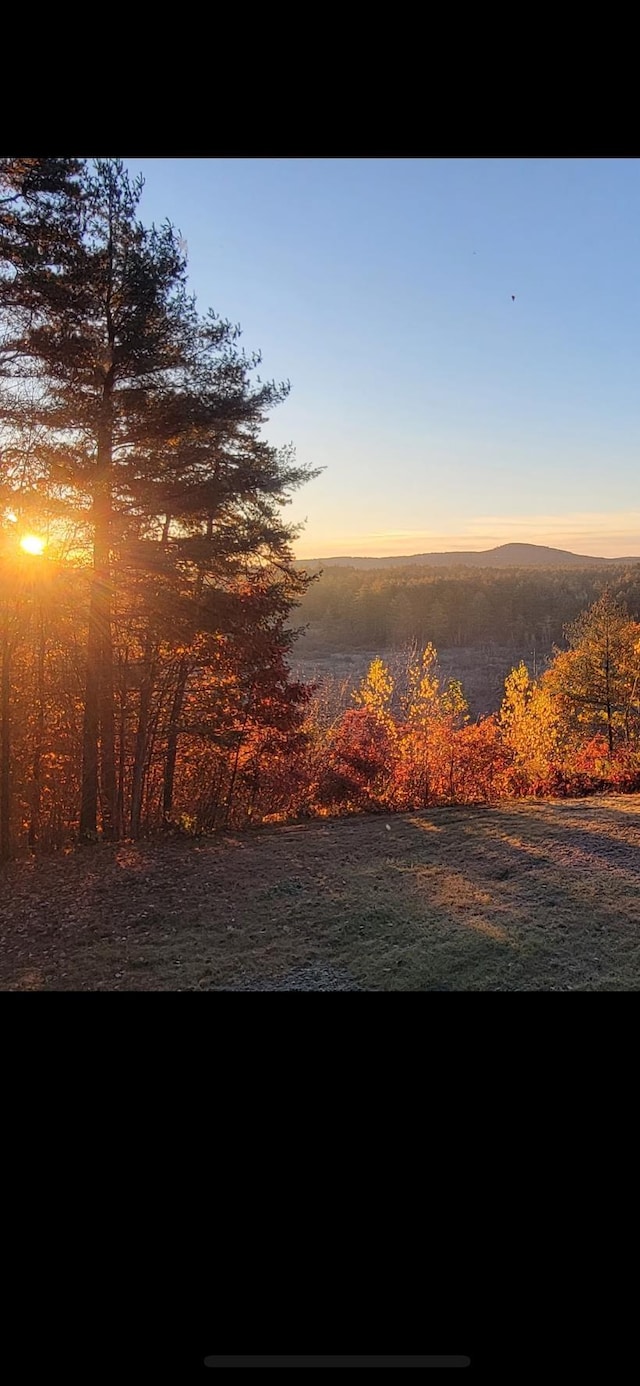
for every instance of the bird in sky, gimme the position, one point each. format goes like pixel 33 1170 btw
pixel 513 298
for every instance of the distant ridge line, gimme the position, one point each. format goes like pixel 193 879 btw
pixel 503 556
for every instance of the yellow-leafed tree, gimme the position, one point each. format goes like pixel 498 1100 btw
pixel 376 691
pixel 530 727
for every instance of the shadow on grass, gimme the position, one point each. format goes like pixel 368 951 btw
pixel 535 896
pixel 550 911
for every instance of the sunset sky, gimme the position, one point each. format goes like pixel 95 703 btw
pixel 445 414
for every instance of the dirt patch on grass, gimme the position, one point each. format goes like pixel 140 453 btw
pixel 532 896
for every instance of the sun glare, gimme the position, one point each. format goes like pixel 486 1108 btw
pixel 32 544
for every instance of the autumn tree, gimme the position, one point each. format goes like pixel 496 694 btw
pixel 433 712
pixel 595 681
pixel 375 691
pixel 529 721
pixel 359 747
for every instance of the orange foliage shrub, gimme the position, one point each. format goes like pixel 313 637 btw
pixel 359 762
pixel 484 761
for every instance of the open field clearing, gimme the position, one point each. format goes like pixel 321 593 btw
pixel 482 671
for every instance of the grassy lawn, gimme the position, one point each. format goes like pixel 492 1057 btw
pixel 533 896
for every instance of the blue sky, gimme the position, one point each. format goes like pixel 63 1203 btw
pixel 445 415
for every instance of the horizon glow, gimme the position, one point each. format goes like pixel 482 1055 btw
pixel 616 535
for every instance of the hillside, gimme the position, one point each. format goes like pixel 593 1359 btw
pixel 504 556
pixel 528 896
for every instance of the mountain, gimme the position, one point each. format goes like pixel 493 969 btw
pixel 504 556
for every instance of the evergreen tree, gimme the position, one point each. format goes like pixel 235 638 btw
pixel 137 418
pixel 596 679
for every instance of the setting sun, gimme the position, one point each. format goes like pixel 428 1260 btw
pixel 32 544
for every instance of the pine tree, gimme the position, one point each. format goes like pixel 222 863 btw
pixel 136 418
pixel 595 681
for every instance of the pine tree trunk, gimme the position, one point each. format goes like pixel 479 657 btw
pixel 608 690
pixel 172 741
pixel 147 779
pixel 236 763
pixel 107 736
pixel 627 714
pixel 5 744
pixel 232 785
pixel 254 788
pixel 98 728
pixel 89 792
pixel 140 755
pixel 122 748
pixel 36 784
pixel 98 731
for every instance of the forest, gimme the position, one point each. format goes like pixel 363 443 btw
pixel 350 608
pixel 150 603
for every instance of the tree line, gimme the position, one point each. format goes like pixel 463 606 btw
pixel 350 608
